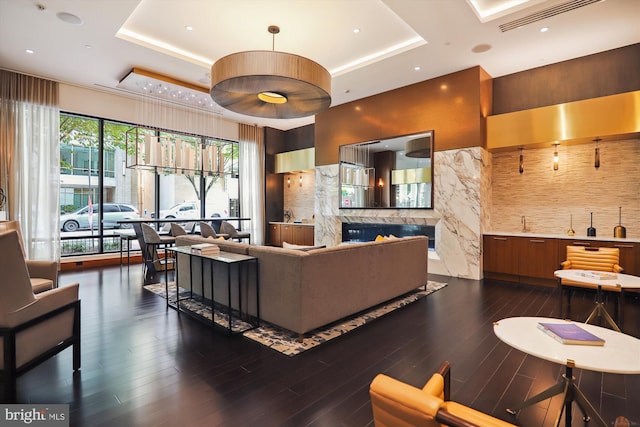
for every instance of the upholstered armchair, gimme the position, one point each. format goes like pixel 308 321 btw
pixel 33 327
pixel 396 403
pixel 593 259
pixel 43 274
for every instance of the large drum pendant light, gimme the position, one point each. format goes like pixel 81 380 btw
pixel 270 84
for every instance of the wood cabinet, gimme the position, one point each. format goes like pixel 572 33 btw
pixel 534 259
pixel 275 238
pixel 499 255
pixel 537 257
pixel 629 257
pixel 296 234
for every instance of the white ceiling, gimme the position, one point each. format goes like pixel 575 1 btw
pixel 439 36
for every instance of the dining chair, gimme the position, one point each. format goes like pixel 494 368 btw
pixel 152 242
pixel 591 259
pixel 33 327
pixel 189 227
pixel 177 230
pixel 233 233
pixel 207 230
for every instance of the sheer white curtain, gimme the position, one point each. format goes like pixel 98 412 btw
pixel 30 160
pixel 252 180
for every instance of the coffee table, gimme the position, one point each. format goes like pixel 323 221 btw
pixel 624 281
pixel 619 355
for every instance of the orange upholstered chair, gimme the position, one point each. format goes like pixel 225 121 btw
pixel 593 259
pixel 397 404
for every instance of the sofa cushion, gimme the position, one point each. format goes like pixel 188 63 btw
pixel 224 245
pixel 286 245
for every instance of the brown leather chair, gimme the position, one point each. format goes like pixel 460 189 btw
pixel 42 274
pixel 32 327
pixel 396 403
pixel 593 259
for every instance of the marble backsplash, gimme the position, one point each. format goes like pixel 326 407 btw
pixel 299 194
pixel 459 213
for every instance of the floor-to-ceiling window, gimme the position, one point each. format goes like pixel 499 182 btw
pixel 102 184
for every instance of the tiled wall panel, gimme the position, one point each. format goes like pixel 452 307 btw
pixel 547 198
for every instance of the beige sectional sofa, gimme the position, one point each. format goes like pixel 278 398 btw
pixel 303 290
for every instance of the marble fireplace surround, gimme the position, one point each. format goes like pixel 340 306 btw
pixel 460 178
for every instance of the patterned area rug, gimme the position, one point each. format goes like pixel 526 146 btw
pixel 285 341
pixel 199 308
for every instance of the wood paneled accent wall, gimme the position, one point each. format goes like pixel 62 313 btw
pixel 454 106
pixel 605 73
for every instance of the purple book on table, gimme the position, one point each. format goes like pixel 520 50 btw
pixel 570 333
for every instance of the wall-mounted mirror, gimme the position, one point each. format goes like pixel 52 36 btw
pixel 390 173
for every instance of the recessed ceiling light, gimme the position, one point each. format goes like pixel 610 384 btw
pixel 483 47
pixel 188 27
pixel 69 18
pixel 29 51
pixel 417 68
pixel 88 46
pixel 356 30
pixel 544 29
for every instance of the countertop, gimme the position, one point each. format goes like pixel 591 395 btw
pixel 308 224
pixel 564 236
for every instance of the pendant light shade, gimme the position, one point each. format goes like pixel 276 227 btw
pixel 418 147
pixel 270 84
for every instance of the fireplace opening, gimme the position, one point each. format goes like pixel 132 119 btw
pixel 366 232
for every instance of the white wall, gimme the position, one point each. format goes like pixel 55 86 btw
pixel 144 111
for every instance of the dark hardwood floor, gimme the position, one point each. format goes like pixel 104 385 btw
pixel 145 365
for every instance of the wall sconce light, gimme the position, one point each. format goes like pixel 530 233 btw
pixel 521 162
pixel 288 182
pixel 124 167
pixel 596 162
pixel 300 180
pixel 380 183
pixel 555 156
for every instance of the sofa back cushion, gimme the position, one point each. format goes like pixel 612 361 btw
pixel 224 245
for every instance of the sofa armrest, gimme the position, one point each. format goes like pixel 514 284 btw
pixel 618 269
pixel 43 270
